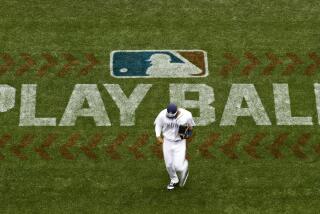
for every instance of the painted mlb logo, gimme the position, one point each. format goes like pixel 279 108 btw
pixel 158 63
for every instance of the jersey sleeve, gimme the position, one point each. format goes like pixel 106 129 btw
pixel 158 125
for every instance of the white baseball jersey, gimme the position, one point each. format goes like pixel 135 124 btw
pixel 170 127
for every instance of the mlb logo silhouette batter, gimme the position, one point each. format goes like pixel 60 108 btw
pixel 158 64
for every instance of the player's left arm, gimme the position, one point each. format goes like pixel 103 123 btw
pixel 185 131
pixel 191 124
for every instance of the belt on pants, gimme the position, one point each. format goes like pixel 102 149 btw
pixel 175 141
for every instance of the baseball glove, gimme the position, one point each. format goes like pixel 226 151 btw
pixel 185 131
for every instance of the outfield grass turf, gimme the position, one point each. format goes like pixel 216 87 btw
pixel 217 185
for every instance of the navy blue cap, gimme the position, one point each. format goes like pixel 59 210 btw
pixel 172 110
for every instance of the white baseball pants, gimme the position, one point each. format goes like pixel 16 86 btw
pixel 174 153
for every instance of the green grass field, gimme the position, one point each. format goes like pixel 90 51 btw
pixel 218 185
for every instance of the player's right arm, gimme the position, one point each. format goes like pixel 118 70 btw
pixel 158 128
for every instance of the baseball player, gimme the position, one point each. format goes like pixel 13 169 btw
pixel 175 124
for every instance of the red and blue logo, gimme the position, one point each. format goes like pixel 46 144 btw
pixel 158 63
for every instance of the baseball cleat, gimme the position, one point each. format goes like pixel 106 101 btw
pixel 184 177
pixel 171 185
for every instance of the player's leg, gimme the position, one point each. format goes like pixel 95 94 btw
pixel 167 148
pixel 180 162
